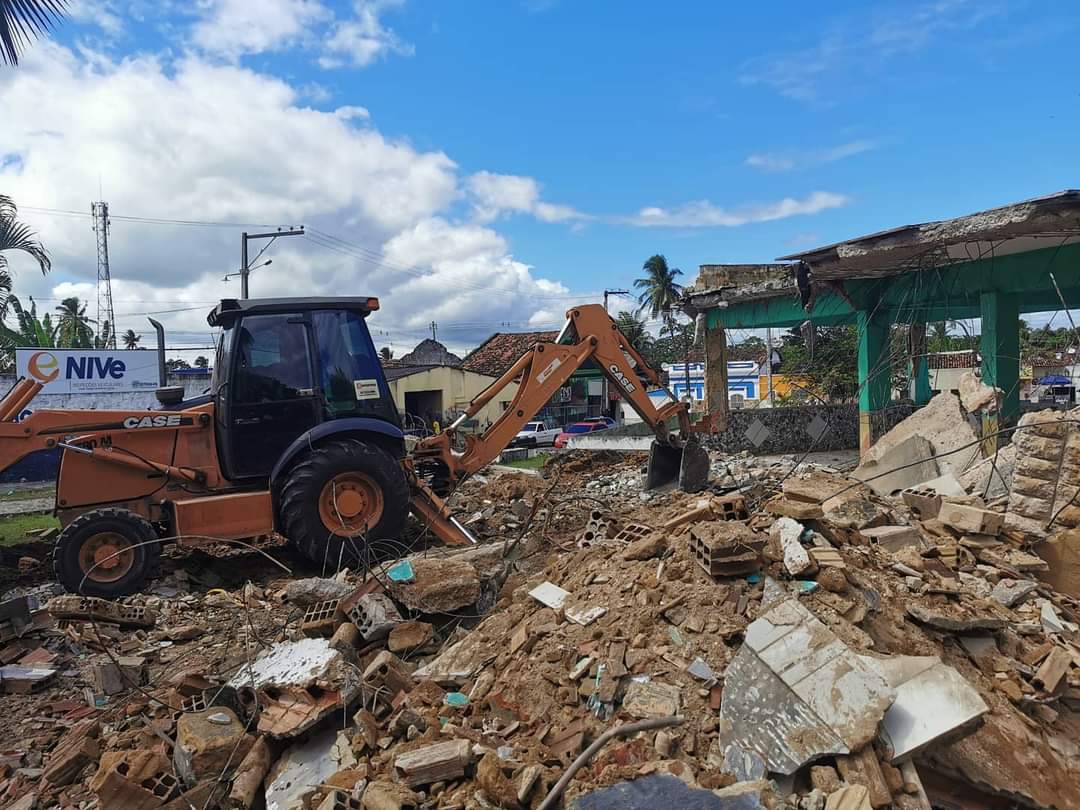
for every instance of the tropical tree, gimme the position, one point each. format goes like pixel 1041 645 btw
pixel 130 339
pixel 175 364
pixel 15 235
pixel 386 353
pixel 202 361
pixel 659 295
pixel 21 21
pixel 74 329
pixel 634 329
pixel 29 330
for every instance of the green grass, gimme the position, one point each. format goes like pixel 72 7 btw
pixel 26 494
pixel 13 528
pixel 534 463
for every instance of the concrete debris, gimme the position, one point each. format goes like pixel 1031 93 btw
pixel 312 590
pixel 755 622
pixel 797 559
pixel 438 586
pixel 905 464
pixel 943 425
pixel 933 701
pixel 796 692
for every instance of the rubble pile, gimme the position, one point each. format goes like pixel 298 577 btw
pixel 796 637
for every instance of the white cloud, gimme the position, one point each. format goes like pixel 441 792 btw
pixel 703 214
pixel 94 12
pixel 494 195
pixel 802 159
pixel 233 28
pixel 860 46
pixel 363 39
pixel 194 140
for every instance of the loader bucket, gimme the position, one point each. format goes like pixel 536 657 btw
pixel 687 465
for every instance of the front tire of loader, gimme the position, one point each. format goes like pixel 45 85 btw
pixel 337 495
pixel 106 552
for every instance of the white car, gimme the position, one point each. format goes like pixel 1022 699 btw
pixel 536 434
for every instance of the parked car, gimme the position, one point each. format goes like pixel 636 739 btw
pixel 578 428
pixel 606 420
pixel 536 434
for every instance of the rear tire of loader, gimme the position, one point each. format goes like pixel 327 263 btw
pixel 337 495
pixel 106 552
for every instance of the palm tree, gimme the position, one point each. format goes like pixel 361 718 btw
pixel 29 329
pixel 633 329
pixel 130 339
pixel 23 20
pixel 15 235
pixel 659 294
pixel 73 327
pixel 386 353
pixel 202 361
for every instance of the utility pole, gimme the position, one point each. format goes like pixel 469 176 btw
pixel 105 317
pixel 245 237
pixel 613 292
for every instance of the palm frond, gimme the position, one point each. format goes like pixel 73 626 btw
pixel 23 21
pixel 15 235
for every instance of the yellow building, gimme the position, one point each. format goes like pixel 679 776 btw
pixel 787 386
pixel 439 393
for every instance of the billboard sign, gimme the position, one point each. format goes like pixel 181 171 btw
pixel 81 371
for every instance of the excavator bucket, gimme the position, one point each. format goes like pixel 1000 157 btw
pixel 688 465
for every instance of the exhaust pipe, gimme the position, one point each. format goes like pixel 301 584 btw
pixel 160 351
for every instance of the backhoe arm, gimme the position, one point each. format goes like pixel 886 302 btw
pixel 589 334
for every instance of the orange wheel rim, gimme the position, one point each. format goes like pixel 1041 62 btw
pixel 106 557
pixel 350 503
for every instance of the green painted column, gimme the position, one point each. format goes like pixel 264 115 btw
pixel 874 374
pixel 1000 347
pixel 919 366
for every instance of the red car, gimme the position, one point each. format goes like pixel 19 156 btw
pixel 577 429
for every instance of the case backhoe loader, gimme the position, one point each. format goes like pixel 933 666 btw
pixel 298 435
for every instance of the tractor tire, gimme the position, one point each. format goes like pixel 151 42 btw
pixel 107 552
pixel 340 496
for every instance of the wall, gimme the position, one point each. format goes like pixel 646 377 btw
pixel 459 388
pixel 786 430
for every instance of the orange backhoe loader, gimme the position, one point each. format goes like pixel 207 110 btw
pixel 298 435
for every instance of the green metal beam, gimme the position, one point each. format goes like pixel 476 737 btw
pixel 874 374
pixel 1000 348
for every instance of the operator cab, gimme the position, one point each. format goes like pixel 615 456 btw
pixel 285 366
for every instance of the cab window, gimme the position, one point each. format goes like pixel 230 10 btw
pixel 350 374
pixel 272 360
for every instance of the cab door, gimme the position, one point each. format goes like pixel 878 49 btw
pixel 272 397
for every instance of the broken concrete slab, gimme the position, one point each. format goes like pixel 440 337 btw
pixel 1011 592
pixel 953 618
pixel 943 424
pixel 208 744
pixel 439 762
pixel 296 684
pixel 646 699
pixel 795 692
pixel 304 767
pixel 1062 553
pixel 459 662
pixel 409 636
pixel 933 702
pixel 797 559
pixel 893 538
pixel 852 797
pixel 906 464
pixel 312 590
pixel 971 519
pixel 438 586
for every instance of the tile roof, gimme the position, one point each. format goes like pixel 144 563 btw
pixel 397 372
pixel 968 358
pixel 500 351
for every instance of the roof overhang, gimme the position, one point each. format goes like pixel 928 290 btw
pixel 1033 224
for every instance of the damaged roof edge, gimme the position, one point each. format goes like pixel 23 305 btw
pixel 986 224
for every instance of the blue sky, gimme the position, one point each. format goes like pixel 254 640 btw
pixel 521 154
